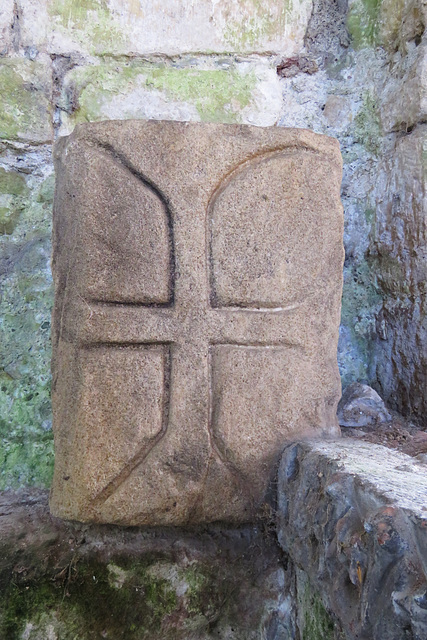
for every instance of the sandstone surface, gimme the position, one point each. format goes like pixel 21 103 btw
pixel 198 274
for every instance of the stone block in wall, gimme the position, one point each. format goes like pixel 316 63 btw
pixel 401 24
pixel 121 27
pixel 218 91
pixel 198 273
pixel 25 100
pixel 400 245
pixel 392 24
pixel 404 96
pixel 353 516
pixel 6 21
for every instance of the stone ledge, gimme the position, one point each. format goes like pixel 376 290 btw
pixel 353 516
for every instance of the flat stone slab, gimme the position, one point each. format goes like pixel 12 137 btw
pixel 198 275
pixel 353 516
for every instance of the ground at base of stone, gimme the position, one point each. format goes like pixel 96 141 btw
pixel 399 433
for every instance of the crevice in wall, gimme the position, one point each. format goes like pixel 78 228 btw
pixel 16 26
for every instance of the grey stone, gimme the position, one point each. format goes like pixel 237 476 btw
pixel 353 516
pixel 361 406
pixel 66 580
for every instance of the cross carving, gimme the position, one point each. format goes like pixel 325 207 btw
pixel 185 302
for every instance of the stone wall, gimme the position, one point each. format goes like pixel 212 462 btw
pixel 354 72
pixel 353 518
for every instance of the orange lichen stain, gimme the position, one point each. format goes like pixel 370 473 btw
pixel 359 573
pixel 382 531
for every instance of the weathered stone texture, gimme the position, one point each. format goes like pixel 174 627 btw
pixel 361 406
pixel 198 282
pixel 141 26
pixel 66 580
pixel 401 248
pixel 208 90
pixel 353 516
pixel 25 100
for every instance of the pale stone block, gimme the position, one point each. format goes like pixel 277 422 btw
pixel 231 92
pixel 198 275
pixel 6 21
pixel 25 111
pixel 173 27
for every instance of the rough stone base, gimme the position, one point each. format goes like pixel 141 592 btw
pixel 353 517
pixel 62 581
pixel 351 521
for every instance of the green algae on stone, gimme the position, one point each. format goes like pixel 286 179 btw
pixel 24 101
pixel 26 455
pixel 363 23
pixel 95 86
pixel 90 22
pixel 314 621
pixel 367 125
pixel 218 95
pixel 13 189
pixel 361 301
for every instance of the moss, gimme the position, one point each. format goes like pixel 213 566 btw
pixel 315 621
pixel 318 623
pixel 218 95
pixel 26 455
pixel 24 106
pixel 12 191
pixel 82 603
pixel 363 23
pixel 46 591
pixel 91 22
pixel 367 125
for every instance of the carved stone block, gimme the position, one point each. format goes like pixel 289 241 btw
pixel 198 275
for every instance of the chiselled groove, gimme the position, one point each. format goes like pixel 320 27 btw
pixel 192 514
pixel 266 344
pixel 120 159
pixel 257 309
pixel 219 189
pixel 125 345
pixel 211 419
pixel 142 454
pixel 115 303
pixel 213 439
